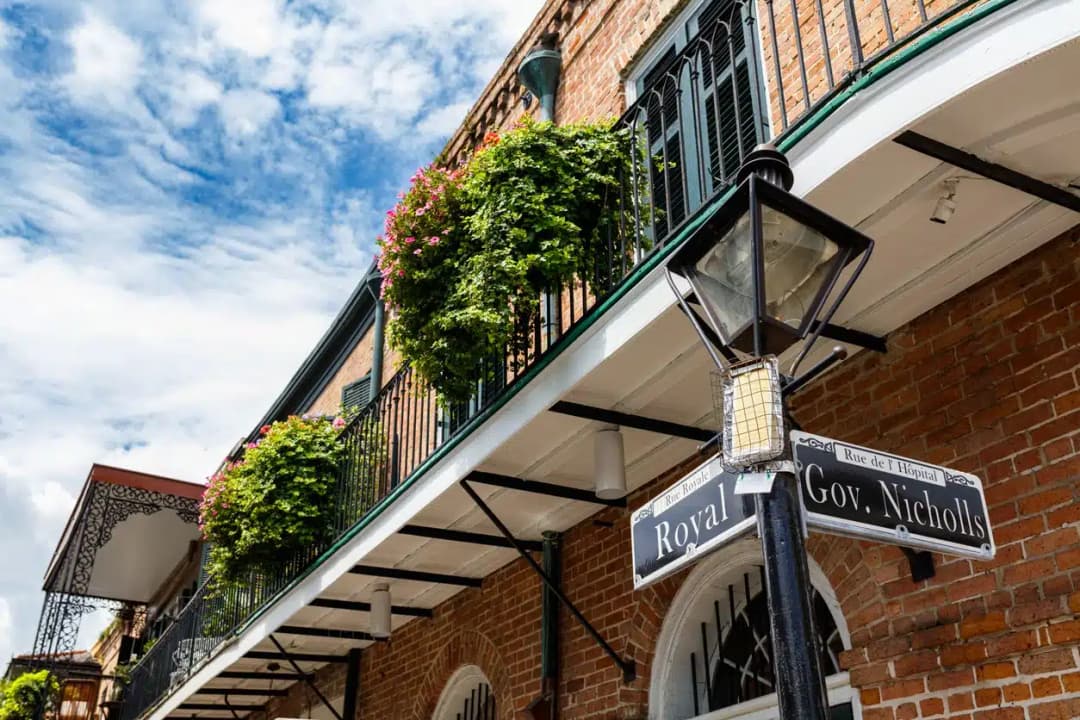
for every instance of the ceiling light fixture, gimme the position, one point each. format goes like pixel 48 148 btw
pixel 609 464
pixel 946 204
pixel 380 612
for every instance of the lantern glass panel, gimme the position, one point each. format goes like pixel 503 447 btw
pixel 725 277
pixel 798 260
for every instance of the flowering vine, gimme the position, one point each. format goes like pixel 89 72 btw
pixel 276 499
pixel 467 252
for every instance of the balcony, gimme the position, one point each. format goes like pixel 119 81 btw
pixel 687 133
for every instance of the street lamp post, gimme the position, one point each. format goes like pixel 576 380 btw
pixel 766 273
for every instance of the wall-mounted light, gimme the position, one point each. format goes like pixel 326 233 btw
pixel 609 466
pixel 946 204
pixel 380 612
pixel 539 73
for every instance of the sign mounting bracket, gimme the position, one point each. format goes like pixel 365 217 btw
pixel 921 564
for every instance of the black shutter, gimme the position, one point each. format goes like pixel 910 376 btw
pixel 357 394
pixel 127 645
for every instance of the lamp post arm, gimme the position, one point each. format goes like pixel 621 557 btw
pixel 688 311
pixel 823 322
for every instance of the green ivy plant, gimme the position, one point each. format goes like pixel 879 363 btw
pixel 278 499
pixel 467 254
pixel 25 696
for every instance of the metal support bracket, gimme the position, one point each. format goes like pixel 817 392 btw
pixel 638 422
pixel 626 665
pixel 921 564
pixel 307 680
pixel 992 171
pixel 236 715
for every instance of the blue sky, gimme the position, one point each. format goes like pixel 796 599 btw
pixel 188 191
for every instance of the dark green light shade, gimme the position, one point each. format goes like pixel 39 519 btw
pixel 539 73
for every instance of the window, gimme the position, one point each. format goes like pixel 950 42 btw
pixel 467 696
pixel 718 650
pixel 698 111
pixel 77 699
pixel 357 394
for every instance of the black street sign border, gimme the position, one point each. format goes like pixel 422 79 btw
pixel 693 553
pixel 865 531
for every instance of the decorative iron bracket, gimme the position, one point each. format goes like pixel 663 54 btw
pixel 626 665
pixel 307 680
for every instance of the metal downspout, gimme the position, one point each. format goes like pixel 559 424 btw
pixel 549 624
pixel 379 339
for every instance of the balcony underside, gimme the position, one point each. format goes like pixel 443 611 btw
pixel 999 90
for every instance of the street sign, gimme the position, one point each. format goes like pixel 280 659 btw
pixel 856 491
pixel 696 515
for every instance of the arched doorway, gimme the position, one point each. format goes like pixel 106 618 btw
pixel 467 696
pixel 714 654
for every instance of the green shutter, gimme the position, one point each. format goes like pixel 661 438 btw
pixel 357 394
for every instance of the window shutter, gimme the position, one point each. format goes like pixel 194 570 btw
pixel 357 394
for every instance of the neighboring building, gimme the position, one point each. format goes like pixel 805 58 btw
pixel 78 674
pixel 892 115
pixel 131 546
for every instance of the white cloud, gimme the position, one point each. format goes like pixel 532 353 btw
pixel 252 27
pixel 443 121
pixel 106 61
pixel 245 112
pixel 172 249
pixel 189 93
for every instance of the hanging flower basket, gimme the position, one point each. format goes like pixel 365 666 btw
pixel 467 253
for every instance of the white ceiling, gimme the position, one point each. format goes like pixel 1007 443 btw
pixel 140 555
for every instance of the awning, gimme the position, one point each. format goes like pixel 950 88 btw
pixel 128 532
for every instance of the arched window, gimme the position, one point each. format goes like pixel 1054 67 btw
pixel 714 655
pixel 467 696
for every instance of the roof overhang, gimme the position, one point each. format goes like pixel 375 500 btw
pixel 126 534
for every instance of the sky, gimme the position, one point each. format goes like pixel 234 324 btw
pixel 189 190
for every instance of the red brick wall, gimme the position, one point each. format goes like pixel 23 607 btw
pixel 601 40
pixel 986 383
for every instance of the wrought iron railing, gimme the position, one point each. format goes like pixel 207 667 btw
pixel 696 118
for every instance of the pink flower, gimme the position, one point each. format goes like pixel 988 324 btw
pixel 410 240
pixel 264 429
pixel 250 446
pixel 417 251
pixel 338 423
pixel 420 211
pixel 433 240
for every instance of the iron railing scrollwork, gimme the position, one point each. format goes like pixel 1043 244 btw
pixel 687 133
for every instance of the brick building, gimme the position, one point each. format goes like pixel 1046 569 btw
pixel 941 129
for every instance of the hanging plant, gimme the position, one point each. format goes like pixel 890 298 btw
pixel 467 254
pixel 423 243
pixel 276 500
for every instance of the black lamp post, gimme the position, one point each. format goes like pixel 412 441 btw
pixel 765 271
